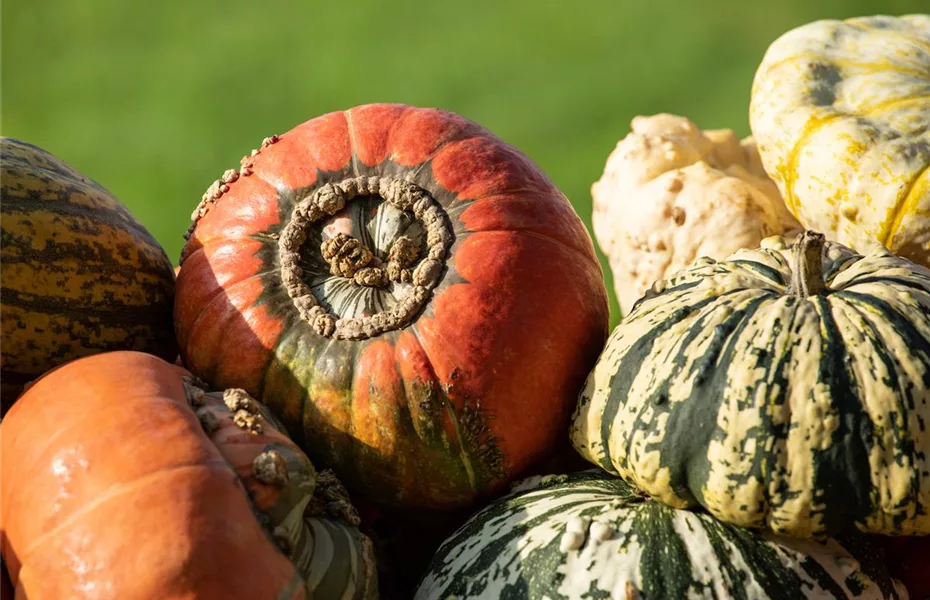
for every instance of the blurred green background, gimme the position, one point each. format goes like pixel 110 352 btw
pixel 156 99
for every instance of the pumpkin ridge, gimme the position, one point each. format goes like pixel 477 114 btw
pixel 118 490
pixel 850 442
pixel 721 346
pixel 623 377
pixel 222 295
pixel 908 200
pixel 469 442
pixel 533 234
pixel 903 400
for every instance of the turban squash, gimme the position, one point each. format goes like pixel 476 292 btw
pixel 80 274
pixel 785 387
pixel 841 114
pixel 385 280
pixel 123 478
pixel 592 535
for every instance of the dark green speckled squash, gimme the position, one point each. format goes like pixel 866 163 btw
pixel 786 387
pixel 591 535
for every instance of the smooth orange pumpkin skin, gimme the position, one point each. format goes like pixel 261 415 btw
pixel 509 334
pixel 111 489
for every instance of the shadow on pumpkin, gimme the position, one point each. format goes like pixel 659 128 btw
pixel 227 349
pixel 6 582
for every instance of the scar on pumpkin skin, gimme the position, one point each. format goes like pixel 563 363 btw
pixel 351 257
pixel 270 468
pixel 330 499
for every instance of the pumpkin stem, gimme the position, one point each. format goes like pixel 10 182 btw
pixel 347 257
pixel 807 277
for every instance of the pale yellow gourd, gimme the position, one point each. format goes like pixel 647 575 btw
pixel 671 193
pixel 841 113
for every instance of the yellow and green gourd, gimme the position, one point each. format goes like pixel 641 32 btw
pixel 81 275
pixel 841 114
pixel 786 387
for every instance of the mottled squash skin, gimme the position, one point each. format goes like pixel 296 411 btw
pixel 476 384
pixel 80 275
pixel 786 387
pixel 592 535
pixel 841 114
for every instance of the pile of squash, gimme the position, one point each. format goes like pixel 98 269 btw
pixel 382 368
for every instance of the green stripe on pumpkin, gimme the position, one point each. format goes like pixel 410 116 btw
pixel 511 549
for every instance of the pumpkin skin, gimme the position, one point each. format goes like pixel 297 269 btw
pixel 841 114
pixel 334 558
pixel 591 535
pixel 727 388
pixel 461 394
pixel 104 460
pixel 80 274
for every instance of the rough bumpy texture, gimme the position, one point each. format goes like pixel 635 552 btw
pixel 335 560
pixel 80 275
pixel 807 415
pixel 434 374
pixel 590 535
pixel 841 113
pixel 671 193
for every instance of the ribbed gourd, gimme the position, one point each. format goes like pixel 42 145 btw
pixel 80 275
pixel 786 387
pixel 591 535
pixel 841 114
pixel 384 279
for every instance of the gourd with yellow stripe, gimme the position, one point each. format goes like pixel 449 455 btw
pixel 841 114
pixel 80 274
pixel 786 387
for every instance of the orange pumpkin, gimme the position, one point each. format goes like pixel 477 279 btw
pixel 111 489
pixel 414 298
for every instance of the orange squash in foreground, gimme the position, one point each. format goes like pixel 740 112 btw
pixel 111 489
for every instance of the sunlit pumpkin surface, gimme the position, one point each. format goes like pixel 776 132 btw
pixel 453 396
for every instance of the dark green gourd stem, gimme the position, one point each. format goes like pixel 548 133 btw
pixel 807 275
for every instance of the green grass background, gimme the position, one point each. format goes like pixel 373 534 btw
pixel 156 99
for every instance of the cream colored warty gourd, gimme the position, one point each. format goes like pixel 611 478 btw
pixel 841 113
pixel 671 193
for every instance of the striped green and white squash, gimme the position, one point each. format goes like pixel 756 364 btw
pixel 592 535
pixel 336 559
pixel 786 387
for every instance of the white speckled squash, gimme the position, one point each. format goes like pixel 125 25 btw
pixel 671 193
pixel 591 535
pixel 787 387
pixel 841 113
